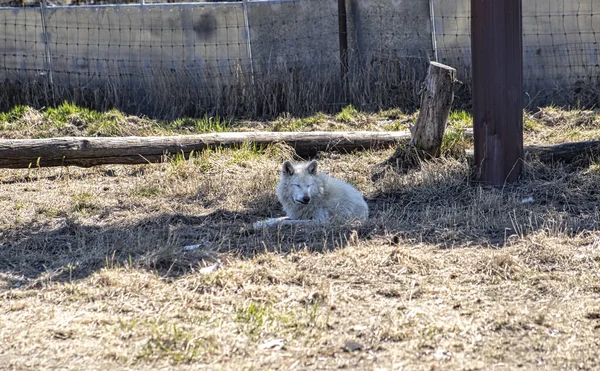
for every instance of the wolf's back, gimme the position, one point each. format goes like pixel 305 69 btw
pixel 343 200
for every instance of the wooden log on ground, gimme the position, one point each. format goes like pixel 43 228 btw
pixel 581 153
pixel 575 153
pixel 86 152
pixel 436 101
pixel 566 152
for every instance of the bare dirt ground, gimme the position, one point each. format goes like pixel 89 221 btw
pixel 95 272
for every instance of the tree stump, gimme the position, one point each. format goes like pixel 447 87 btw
pixel 436 101
pixel 428 132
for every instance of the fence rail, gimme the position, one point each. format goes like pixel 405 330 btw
pixel 260 58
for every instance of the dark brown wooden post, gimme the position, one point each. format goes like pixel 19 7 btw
pixel 343 36
pixel 497 57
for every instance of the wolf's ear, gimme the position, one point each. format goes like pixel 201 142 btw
pixel 312 167
pixel 287 168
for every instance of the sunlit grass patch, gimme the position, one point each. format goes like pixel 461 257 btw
pixel 347 114
pixel 204 124
pixel 460 119
pixel 392 113
pixel 84 202
pixel 177 345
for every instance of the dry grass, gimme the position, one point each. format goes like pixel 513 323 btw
pixel 277 87
pixel 551 125
pixel 444 275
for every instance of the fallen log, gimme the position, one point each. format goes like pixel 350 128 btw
pixel 574 153
pixel 567 153
pixel 87 152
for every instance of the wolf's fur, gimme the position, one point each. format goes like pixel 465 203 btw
pixel 311 197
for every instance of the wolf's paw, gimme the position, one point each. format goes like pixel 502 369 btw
pixel 262 224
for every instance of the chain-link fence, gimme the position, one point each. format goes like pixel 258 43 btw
pixel 261 58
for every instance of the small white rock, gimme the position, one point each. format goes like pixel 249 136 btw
pixel 528 200
pixel 276 344
pixel 442 354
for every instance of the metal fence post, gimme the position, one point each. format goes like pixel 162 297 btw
pixel 248 41
pixel 497 57
pixel 433 32
pixel 343 40
pixel 43 9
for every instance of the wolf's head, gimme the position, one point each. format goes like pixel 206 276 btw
pixel 300 182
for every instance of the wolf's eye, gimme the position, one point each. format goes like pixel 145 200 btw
pixel 296 185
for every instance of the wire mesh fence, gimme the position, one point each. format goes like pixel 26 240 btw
pixel 560 48
pixel 262 58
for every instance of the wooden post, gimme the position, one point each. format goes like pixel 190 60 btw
pixel 436 101
pixel 343 40
pixel 497 57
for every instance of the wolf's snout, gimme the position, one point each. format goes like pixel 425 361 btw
pixel 305 199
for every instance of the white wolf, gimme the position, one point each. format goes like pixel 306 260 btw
pixel 309 197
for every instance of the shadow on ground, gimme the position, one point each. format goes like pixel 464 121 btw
pixel 435 205
pixel 171 245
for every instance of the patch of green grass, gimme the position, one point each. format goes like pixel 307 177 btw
pixel 181 166
pixel 67 113
pixel 149 191
pixel 15 114
pixel 110 123
pixel 286 122
pixel 205 124
pixel 288 125
pixel 245 152
pixel 317 118
pixel 178 346
pixel 49 211
pixel 44 123
pixel 529 124
pixel 180 159
pixel 204 159
pixel 464 120
pixel 252 319
pixel 397 125
pixel 256 320
pixel 83 202
pixel 104 124
pixel 455 141
pixel 348 114
pixel 460 119
pixel 392 114
pixel 21 118
pixel 312 312
pixel 185 166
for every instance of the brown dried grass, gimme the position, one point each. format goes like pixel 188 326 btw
pixel 94 273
